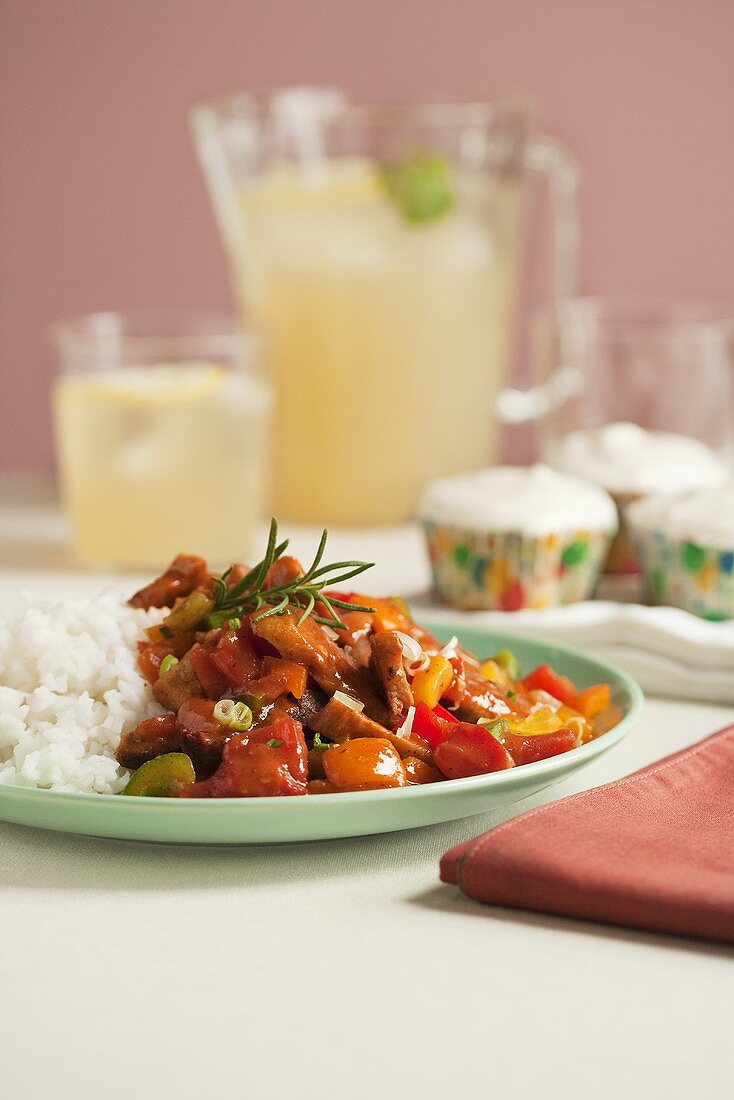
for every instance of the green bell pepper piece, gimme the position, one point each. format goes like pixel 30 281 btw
pixel 164 777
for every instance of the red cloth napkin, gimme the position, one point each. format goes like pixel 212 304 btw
pixel 654 850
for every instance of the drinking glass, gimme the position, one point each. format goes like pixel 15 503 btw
pixel 663 366
pixel 381 249
pixel 161 427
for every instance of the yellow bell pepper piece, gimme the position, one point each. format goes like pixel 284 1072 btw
pixel 490 670
pixel 430 684
pixel 547 720
pixel 542 720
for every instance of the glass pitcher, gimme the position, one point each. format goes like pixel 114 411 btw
pixel 380 251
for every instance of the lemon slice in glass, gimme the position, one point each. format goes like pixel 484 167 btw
pixel 163 383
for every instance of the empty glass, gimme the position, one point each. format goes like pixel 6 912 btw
pixel 610 368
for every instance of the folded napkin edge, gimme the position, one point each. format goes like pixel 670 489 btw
pixel 451 862
pixel 457 863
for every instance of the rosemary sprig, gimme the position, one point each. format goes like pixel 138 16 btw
pixel 248 595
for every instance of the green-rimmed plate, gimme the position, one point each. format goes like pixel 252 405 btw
pixel 326 817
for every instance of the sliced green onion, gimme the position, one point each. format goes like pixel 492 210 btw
pixel 223 711
pixel 167 663
pixel 274 743
pixel 236 716
pixel 498 727
pixel 320 745
pixel 242 718
pixel 235 623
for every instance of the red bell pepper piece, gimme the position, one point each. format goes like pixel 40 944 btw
pixel 470 750
pixel 538 746
pixel 269 760
pixel 543 678
pixel 209 675
pixel 235 657
pixel 429 725
pixel 150 658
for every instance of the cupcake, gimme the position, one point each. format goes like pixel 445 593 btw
pixel 631 462
pixel 685 544
pixel 514 537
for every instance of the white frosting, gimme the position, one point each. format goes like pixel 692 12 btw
pixel 625 458
pixel 535 500
pixel 703 516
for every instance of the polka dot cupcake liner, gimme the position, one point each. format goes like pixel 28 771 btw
pixel 699 579
pixel 509 571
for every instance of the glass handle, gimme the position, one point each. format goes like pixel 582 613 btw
pixel 544 157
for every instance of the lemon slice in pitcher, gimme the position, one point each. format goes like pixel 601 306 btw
pixel 162 384
pixel 341 181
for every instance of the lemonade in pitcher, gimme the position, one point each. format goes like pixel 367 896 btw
pixel 387 338
pixel 378 250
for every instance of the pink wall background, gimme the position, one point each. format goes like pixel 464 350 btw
pixel 101 201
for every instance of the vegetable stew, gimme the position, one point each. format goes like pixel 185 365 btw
pixel 273 681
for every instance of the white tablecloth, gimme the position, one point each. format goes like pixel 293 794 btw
pixel 339 969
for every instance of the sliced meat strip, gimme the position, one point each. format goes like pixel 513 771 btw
pixel 185 573
pixel 339 722
pixel 178 685
pixel 285 569
pixel 203 736
pixel 303 709
pixel 152 737
pixel 237 573
pixel 360 654
pixel 328 665
pixel 387 655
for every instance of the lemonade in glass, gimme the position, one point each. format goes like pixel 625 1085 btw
pixel 161 437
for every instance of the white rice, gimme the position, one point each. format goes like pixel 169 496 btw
pixel 69 687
